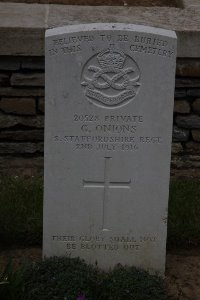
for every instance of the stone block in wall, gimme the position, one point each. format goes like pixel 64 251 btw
pixel 177 148
pixel 21 92
pixel 188 121
pixel 188 67
pixel 41 104
pixel 21 148
pixel 7 121
pixel 181 106
pixel 196 106
pixel 27 79
pixel 33 63
pixel 22 135
pixel 187 82
pixel 180 93
pixel 20 166
pixel 196 135
pixel 192 148
pixel 185 161
pixel 9 63
pixel 180 135
pixel 185 173
pixel 193 93
pixel 21 106
pixel 4 79
pixel 185 166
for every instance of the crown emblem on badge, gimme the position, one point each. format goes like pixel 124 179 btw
pixel 111 58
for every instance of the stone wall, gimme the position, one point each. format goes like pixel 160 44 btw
pixel 22 117
pixel 186 130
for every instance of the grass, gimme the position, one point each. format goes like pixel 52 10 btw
pixel 184 213
pixel 21 212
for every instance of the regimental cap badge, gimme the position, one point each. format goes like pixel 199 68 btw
pixel 110 78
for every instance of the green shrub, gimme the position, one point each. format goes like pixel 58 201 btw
pixel 128 283
pixel 61 278
pixel 68 278
pixel 72 279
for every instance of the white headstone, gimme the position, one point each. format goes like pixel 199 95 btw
pixel 109 104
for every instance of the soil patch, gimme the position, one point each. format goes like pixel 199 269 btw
pixel 182 271
pixel 19 256
pixel 183 274
pixel 146 3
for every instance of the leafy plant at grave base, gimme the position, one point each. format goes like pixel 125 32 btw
pixel 184 213
pixel 62 278
pixel 72 279
pixel 128 283
pixel 11 283
pixel 21 210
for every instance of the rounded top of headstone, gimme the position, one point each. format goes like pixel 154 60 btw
pixel 109 26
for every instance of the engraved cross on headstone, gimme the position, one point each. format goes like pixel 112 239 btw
pixel 106 184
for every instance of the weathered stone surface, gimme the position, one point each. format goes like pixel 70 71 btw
pixel 160 16
pixel 193 92
pixel 21 40
pixel 192 147
pixel 177 148
pixel 27 79
pixel 4 79
pixel 145 3
pixel 93 169
pixel 196 135
pixel 33 63
pixel 19 166
pixel 187 82
pixel 180 19
pixel 21 148
pixel 189 3
pixel 27 16
pixel 185 173
pixel 9 63
pixel 21 106
pixel 23 30
pixel 180 93
pixel 21 92
pixel 185 162
pixel 41 104
pixel 181 106
pixel 7 121
pixel 37 122
pixel 188 67
pixel 196 106
pixel 22 135
pixel 189 121
pixel 180 135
